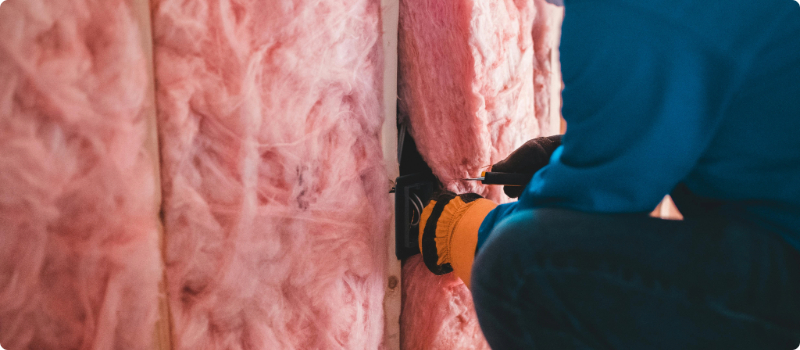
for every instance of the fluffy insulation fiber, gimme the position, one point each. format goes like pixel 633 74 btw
pixel 473 87
pixel 466 83
pixel 546 33
pixel 79 257
pixel 275 196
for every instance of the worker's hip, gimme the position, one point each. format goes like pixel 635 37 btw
pixel 579 280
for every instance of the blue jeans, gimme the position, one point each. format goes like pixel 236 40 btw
pixel 560 279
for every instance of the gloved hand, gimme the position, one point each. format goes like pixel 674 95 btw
pixel 448 232
pixel 527 159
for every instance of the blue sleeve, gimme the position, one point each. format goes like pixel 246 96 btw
pixel 641 99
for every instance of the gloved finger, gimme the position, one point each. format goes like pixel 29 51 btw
pixel 530 157
pixel 513 191
pixel 427 235
pixel 437 196
pixel 441 195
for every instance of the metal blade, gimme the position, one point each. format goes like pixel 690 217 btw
pixel 475 179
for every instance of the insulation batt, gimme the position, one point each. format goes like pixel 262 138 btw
pixel 79 257
pixel 466 83
pixel 275 195
pixel 473 87
pixel 546 33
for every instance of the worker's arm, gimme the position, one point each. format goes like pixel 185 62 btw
pixel 449 225
pixel 642 100
pixel 527 159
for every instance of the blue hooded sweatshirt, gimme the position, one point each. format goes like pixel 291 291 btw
pixel 700 99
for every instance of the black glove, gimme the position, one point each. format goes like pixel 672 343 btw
pixel 527 159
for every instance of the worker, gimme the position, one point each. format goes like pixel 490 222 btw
pixel 697 99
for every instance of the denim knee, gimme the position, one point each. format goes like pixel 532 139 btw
pixel 499 259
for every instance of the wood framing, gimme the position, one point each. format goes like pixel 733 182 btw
pixel 392 298
pixel 162 339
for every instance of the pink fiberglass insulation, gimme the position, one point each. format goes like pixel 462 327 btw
pixel 275 196
pixel 473 88
pixel 466 83
pixel 437 311
pixel 546 29
pixel 79 256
